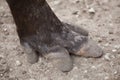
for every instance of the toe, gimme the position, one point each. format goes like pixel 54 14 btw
pixel 61 59
pixel 90 49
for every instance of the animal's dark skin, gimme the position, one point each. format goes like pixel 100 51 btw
pixel 40 31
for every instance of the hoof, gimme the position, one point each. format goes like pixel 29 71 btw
pixel 61 59
pixel 90 49
pixel 32 56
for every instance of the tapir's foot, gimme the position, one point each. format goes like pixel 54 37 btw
pixel 79 43
pixel 32 56
pixel 60 59
pixel 90 49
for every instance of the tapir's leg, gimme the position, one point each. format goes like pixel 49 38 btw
pixel 60 58
pixel 35 19
pixel 32 56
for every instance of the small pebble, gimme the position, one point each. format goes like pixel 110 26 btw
pixel 5 29
pixel 10 69
pixel 107 44
pixel 93 67
pixel 75 68
pixel 85 71
pixel 91 10
pixel 16 39
pixel 107 57
pixel 75 13
pixel 72 79
pixel 117 46
pixel 56 2
pixel 1 57
pixel 18 63
pixel 111 64
pixel 106 78
pixel 1 75
pixel 115 72
pixel 114 50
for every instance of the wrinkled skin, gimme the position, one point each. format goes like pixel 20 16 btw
pixel 42 33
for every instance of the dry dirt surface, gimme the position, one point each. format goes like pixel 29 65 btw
pixel 100 17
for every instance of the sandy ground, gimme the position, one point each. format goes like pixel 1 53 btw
pixel 100 17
